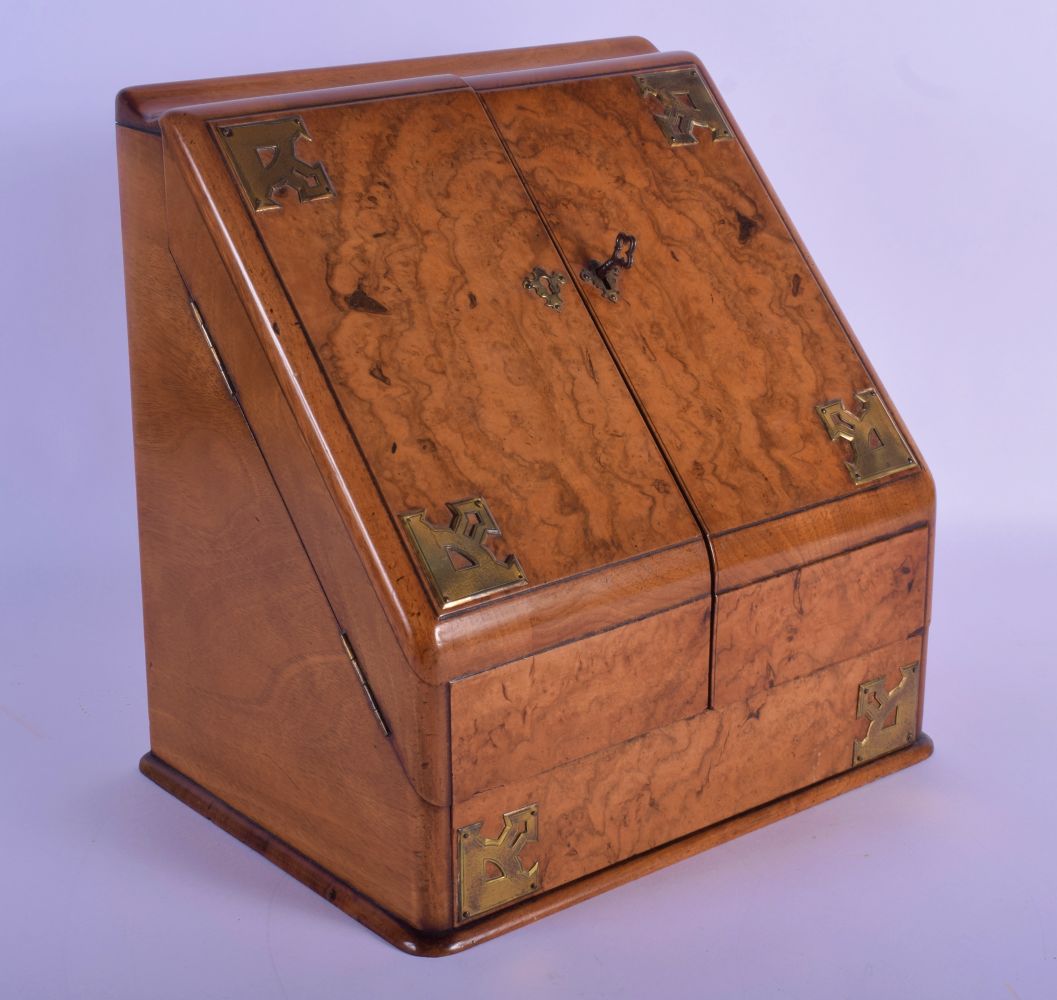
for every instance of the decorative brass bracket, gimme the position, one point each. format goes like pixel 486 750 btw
pixel 547 285
pixel 456 561
pixel 491 872
pixel 264 157
pixel 878 449
pixel 686 103
pixel 899 707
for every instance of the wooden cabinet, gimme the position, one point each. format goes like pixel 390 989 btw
pixel 517 511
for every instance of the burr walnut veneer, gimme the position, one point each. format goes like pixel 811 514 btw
pixel 518 512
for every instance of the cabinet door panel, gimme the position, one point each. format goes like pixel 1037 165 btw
pixel 456 380
pixel 721 326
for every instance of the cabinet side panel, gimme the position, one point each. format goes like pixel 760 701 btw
pixel 250 693
pixel 415 709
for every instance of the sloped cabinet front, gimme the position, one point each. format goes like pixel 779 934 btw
pixel 456 381
pixel 726 336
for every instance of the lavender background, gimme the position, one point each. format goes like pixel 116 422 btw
pixel 915 146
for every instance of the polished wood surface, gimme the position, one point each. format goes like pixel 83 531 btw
pixel 192 159
pixel 249 690
pixel 509 629
pixel 415 942
pixel 707 587
pixel 502 627
pixel 413 704
pixel 140 107
pixel 790 625
pixel 629 798
pixel 756 552
pixel 726 337
pixel 536 713
pixel 457 381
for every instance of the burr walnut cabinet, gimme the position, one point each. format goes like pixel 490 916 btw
pixel 518 512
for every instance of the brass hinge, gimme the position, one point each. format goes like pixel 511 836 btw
pixel 228 384
pixel 371 700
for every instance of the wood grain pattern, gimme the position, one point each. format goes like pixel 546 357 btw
pixel 722 328
pixel 464 384
pixel 387 358
pixel 192 156
pixel 756 552
pixel 533 714
pixel 415 707
pixel 627 799
pixel 467 639
pixel 415 942
pixel 249 691
pixel 140 107
pixel 783 628
pixel 510 629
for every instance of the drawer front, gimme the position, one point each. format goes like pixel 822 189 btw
pixel 537 713
pixel 556 826
pixel 576 759
pixel 775 631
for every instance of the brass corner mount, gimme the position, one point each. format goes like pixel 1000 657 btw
pixel 456 561
pixel 491 872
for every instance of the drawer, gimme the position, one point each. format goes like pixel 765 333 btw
pixel 780 629
pixel 542 711
pixel 635 795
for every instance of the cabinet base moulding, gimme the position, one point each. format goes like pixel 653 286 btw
pixel 416 942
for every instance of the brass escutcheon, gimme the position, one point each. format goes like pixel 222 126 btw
pixel 547 285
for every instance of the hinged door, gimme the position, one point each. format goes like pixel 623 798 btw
pixel 735 354
pixel 494 426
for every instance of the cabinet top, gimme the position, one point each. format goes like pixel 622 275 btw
pixel 141 106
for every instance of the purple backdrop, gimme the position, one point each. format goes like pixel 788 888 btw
pixel 914 146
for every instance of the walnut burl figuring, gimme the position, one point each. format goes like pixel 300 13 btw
pixel 412 941
pixel 518 512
